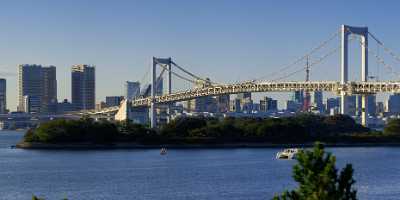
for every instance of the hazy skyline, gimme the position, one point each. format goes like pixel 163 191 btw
pixel 210 38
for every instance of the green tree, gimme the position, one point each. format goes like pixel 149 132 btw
pixel 318 178
pixel 392 127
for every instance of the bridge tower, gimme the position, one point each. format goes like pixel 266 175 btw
pixel 168 63
pixel 346 31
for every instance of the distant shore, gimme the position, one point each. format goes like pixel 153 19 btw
pixel 83 146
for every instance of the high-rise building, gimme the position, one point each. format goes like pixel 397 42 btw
pixel 293 106
pixel 83 87
pixel 30 88
pixel 380 108
pixel 371 105
pixel 132 89
pixel 234 106
pixel 332 103
pixel 268 104
pixel 299 96
pixel 393 104
pixel 317 101
pixel 222 103
pixel 3 96
pixel 37 88
pixel 113 100
pixel 245 95
pixel 49 98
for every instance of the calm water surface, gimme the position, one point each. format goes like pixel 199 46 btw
pixel 182 174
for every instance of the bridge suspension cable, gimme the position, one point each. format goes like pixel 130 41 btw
pixel 313 64
pixel 387 66
pixel 308 54
pixel 165 68
pixel 385 48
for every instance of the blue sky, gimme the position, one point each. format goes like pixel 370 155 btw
pixel 227 41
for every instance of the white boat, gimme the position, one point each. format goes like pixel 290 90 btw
pixel 287 153
pixel 163 151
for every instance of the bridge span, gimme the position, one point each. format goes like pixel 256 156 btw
pixel 343 88
pixel 254 87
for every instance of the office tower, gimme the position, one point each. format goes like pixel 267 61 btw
pixel 64 106
pixel 245 95
pixel 49 98
pixel 101 105
pixel 234 106
pixel 380 108
pixel 299 96
pixel 83 87
pixel 317 101
pixel 3 96
pixel 293 106
pixel 332 103
pixel 201 104
pixel 222 103
pixel 393 104
pixel 113 100
pixel 371 106
pixel 30 88
pixel 246 103
pixel 353 105
pixel 268 104
pixel 132 89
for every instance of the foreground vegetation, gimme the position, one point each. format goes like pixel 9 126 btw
pixel 304 128
pixel 318 178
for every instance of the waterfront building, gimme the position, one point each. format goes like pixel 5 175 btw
pixel 222 103
pixel 37 88
pixel 299 96
pixel 113 100
pixel 393 104
pixel 332 103
pixel 49 97
pixel 371 105
pixel 234 106
pixel 293 106
pixel 132 89
pixel 3 96
pixel 101 105
pixel 380 108
pixel 30 88
pixel 268 104
pixel 246 103
pixel 83 86
pixel 317 101
pixel 65 106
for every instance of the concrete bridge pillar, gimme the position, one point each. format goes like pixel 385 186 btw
pixel 363 32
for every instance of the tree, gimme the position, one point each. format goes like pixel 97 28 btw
pixel 392 127
pixel 318 179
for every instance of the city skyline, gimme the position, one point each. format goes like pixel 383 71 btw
pixel 246 39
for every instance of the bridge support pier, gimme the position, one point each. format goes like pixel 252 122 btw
pixel 153 114
pixel 363 32
pixel 153 111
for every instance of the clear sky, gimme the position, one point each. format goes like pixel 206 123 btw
pixel 227 41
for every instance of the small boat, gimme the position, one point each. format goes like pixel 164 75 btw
pixel 287 153
pixel 163 151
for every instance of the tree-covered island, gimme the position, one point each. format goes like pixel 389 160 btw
pixel 300 129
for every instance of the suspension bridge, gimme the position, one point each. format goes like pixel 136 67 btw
pixel 344 88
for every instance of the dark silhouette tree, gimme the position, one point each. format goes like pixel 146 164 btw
pixel 318 178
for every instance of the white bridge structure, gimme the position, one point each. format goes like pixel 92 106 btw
pixel 344 87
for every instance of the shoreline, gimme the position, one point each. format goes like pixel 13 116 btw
pixel 88 146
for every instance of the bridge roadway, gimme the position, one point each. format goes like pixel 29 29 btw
pixel 217 90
